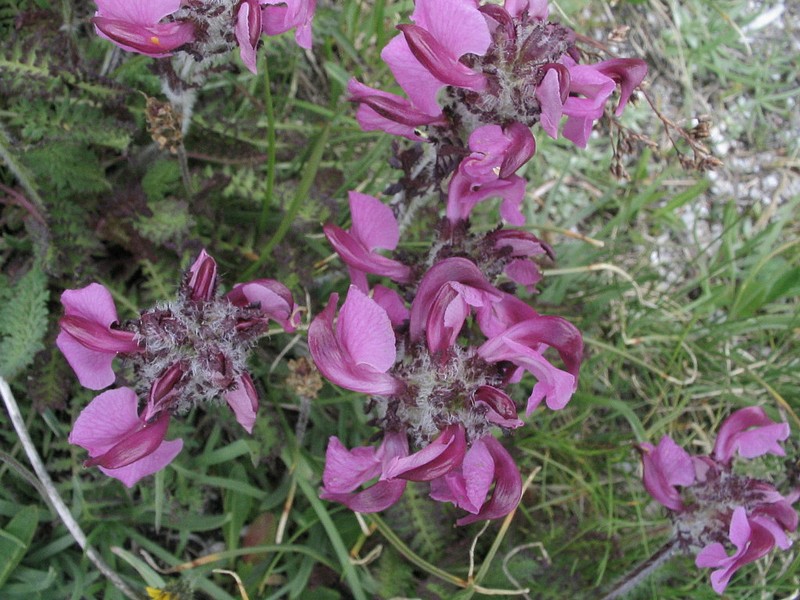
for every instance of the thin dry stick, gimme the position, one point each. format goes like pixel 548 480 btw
pixel 53 495
pixel 238 579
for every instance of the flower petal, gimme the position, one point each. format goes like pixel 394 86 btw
pixel 244 402
pixel 436 459
pixel 365 331
pixel 750 432
pixel 334 361
pixel 106 420
pixel 152 463
pixel 507 488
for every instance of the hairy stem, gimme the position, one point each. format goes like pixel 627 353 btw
pixel 643 570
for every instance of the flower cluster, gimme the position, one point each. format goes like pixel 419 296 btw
pixel 438 369
pixel 717 506
pixel 477 77
pixel 184 353
pixel 201 28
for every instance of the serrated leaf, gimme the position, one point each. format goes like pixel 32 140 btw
pixel 162 180
pixel 23 323
pixel 67 168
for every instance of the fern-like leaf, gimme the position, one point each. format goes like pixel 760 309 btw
pixel 23 322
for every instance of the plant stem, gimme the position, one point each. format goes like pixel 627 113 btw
pixel 54 497
pixel 643 570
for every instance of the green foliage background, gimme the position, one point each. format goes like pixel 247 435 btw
pixel 689 306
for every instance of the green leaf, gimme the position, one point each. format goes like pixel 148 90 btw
pixel 15 539
pixel 23 323
pixel 335 538
pixel 67 168
pixel 237 506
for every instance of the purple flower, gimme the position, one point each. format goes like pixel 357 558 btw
pixel 248 31
pixel 445 396
pixel 463 195
pixel 382 111
pixel 436 459
pixel 721 504
pixel 753 539
pixel 485 463
pixel 346 470
pixel 190 351
pixel 374 227
pixel 496 153
pixel 477 77
pixel 503 64
pixel 523 343
pixel 202 283
pixel 444 299
pixel 135 25
pixel 664 467
pixel 357 353
pixel 283 15
pixel 500 408
pixel 123 444
pixel 425 57
pixel 243 401
pixel 270 298
pixel 88 338
pixel 750 432
pixel 519 250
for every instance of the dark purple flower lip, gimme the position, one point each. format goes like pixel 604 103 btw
pixel 95 336
pixel 438 60
pixel 139 443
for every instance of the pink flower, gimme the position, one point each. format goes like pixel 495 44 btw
pixel 594 89
pixel 750 432
pixel 485 463
pixel 426 56
pixel 202 283
pixel 243 401
pixel 346 470
pixel 489 171
pixel 135 25
pixel 752 537
pixel 283 15
pixel 357 353
pixel 665 466
pixel 524 343
pixel 390 301
pixel 124 445
pixel 519 248
pixel 463 196
pixel 382 111
pixel 248 32
pixel 500 408
pixel 502 65
pixel 87 338
pixel 444 300
pixel 496 152
pixel 374 228
pixel 270 299
pixel 436 459
pixel 761 516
